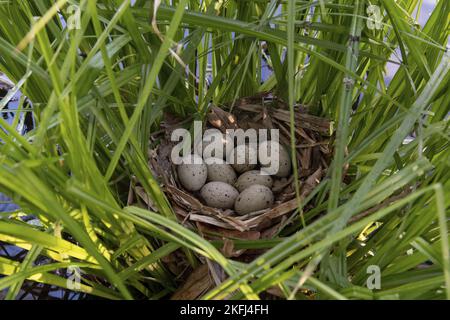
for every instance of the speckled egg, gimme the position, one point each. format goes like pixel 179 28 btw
pixel 252 177
pixel 192 172
pixel 254 198
pixel 219 194
pixel 279 166
pixel 218 170
pixel 244 158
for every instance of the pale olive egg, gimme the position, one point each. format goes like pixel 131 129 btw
pixel 219 194
pixel 219 170
pixel 252 177
pixel 254 198
pixel 276 163
pixel 192 172
pixel 244 157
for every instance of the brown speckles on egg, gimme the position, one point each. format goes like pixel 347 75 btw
pixel 253 177
pixel 192 172
pixel 219 194
pixel 254 198
pixel 244 157
pixel 283 160
pixel 220 171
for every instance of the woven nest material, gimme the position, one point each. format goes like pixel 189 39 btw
pixel 313 155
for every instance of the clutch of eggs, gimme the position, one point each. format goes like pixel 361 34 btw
pixel 238 185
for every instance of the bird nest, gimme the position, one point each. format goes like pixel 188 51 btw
pixel 313 135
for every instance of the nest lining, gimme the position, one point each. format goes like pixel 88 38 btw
pixel 313 156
